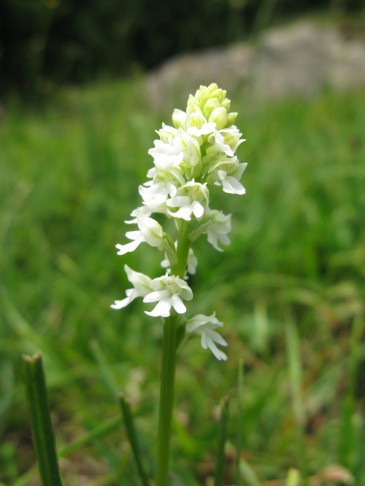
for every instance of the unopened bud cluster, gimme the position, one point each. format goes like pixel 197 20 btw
pixel 198 151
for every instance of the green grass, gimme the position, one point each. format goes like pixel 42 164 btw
pixel 290 290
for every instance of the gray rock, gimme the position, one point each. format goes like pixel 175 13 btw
pixel 299 59
pixel 303 58
pixel 174 80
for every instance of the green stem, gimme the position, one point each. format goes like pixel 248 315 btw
pixel 166 399
pixel 182 250
pixel 168 365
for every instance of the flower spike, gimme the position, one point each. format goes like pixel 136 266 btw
pixel 196 152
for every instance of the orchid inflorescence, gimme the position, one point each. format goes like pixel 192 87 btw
pixel 198 151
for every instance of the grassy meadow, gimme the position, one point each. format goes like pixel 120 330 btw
pixel 290 290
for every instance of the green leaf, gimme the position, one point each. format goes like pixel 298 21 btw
pixel 132 437
pixel 40 419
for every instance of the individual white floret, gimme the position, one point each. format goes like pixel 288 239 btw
pixel 169 292
pixel 179 147
pixel 142 285
pixel 190 200
pixel 218 145
pixel 150 232
pixel 227 172
pixel 206 326
pixel 216 225
pixel 232 137
pixel 154 196
pixel 164 184
pixel 230 179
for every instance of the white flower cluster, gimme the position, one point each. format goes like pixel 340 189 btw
pixel 198 151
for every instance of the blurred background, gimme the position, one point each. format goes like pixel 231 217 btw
pixel 83 87
pixel 53 42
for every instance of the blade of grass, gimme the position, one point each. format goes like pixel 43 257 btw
pixel 25 478
pixel 17 321
pixel 239 420
pixel 222 434
pixel 104 369
pixel 248 474
pixel 40 419
pixel 296 380
pixel 295 371
pixel 132 437
pixel 293 478
pixel 128 418
pixel 349 438
pixel 86 439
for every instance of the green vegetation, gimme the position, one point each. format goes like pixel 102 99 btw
pixel 290 290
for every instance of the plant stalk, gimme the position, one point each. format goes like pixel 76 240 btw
pixel 166 399
pixel 183 246
pixel 168 365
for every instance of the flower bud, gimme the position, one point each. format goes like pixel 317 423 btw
pixel 219 117
pixel 179 119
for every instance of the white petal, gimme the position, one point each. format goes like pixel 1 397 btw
pixel 129 247
pixel 151 230
pixel 213 240
pixel 131 295
pixel 183 213
pixel 178 304
pixel 156 296
pixel 218 353
pixel 199 320
pixel 119 304
pixel 133 235
pixel 178 201
pixel 141 282
pixel 232 186
pixel 217 338
pixel 198 209
pixel 162 309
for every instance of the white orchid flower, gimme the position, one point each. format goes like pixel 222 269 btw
pixel 150 232
pixel 169 292
pixel 206 326
pixel 216 225
pixel 142 285
pixel 231 179
pixel 176 148
pixel 190 199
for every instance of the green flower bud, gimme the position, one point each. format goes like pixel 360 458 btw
pixel 179 118
pixel 231 119
pixel 219 117
pixel 210 106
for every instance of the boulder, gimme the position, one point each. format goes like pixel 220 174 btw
pixel 299 59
